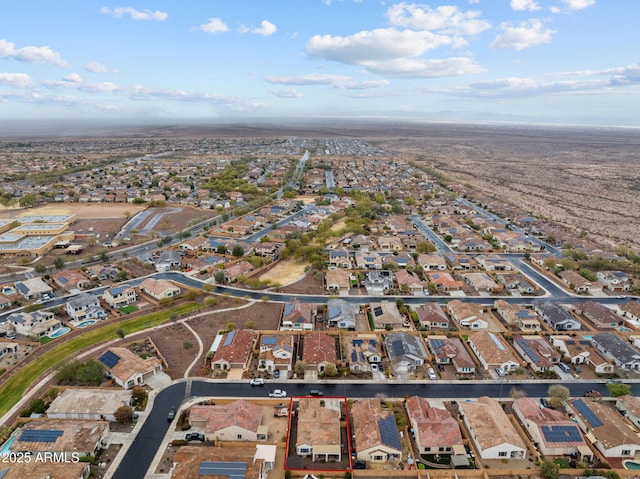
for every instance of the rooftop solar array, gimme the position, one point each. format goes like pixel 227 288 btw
pixel 389 432
pixel 587 413
pixel 377 311
pixel 37 435
pixel 524 345
pixel 561 433
pixel 269 340
pixel 233 470
pixel 437 343
pixel 109 359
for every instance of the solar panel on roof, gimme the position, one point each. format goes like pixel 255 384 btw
pixel 269 340
pixel 354 356
pixel 587 413
pixel 436 343
pixel 357 342
pixel 109 359
pixel 397 347
pixel 229 338
pixel 233 470
pixel 37 435
pixel 561 433
pixel 377 311
pixel 524 345
pixel 389 432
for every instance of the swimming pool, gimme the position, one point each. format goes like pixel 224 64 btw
pixel 631 465
pixel 86 323
pixel 6 447
pixel 59 332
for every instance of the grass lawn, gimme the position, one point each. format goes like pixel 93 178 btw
pixel 131 308
pixel 13 390
pixel 562 462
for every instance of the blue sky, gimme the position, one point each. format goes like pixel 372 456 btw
pixel 543 61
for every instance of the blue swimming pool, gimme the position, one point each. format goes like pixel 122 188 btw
pixel 59 332
pixel 86 323
pixel 6 447
pixel 631 465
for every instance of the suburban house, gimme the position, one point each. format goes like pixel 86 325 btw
pixel 8 347
pixel 491 430
pixel 408 282
pixel 618 350
pixel 516 281
pixel 338 281
pixel 341 314
pixel 232 350
pixel 319 350
pixel 69 279
pixel 431 262
pixel 377 282
pixel 385 315
pixel 297 316
pixel 578 283
pixel 631 312
pixel 33 288
pixel 232 271
pixel 405 352
pixel 340 258
pixel 493 351
pixel 127 368
pixel 629 406
pixel 467 315
pixel 555 316
pixel 193 244
pixel 84 306
pixel 389 243
pixel 444 282
pixel 435 430
pixel 493 262
pixel 517 316
pixel 120 296
pixel 36 323
pixel 103 272
pixel 237 421
pixel 581 351
pixel 61 436
pixel 368 260
pixel 551 430
pixel 159 289
pixel 167 260
pixel 537 352
pixel 481 282
pixel 614 280
pixel 319 435
pixel 431 316
pixel 362 351
pixel 276 353
pixel 608 431
pixel 269 250
pixel 451 351
pixel 598 315
pixel 375 432
pixel 85 403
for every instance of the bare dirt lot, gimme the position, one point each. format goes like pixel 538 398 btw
pixel 285 272
pixel 311 283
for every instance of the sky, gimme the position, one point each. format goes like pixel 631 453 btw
pixel 534 61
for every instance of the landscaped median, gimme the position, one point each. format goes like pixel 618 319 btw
pixel 15 388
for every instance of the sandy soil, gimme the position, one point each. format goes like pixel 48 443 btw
pixel 81 210
pixel 339 225
pixel 285 272
pixel 311 283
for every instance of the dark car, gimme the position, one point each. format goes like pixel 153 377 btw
pixel 276 374
pixel 359 465
pixel 171 414
pixel 194 436
pixel 315 392
pixel 545 403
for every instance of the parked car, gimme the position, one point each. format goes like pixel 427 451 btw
pixel 359 465
pixel 171 414
pixel 592 394
pixel 277 393
pixel 194 436
pixel 315 392
pixel 256 382
pixel 545 403
pixel 276 374
pixel 432 374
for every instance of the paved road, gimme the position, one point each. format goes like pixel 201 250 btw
pixel 140 454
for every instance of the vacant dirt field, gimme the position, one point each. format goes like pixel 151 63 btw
pixel 81 210
pixel 311 283
pixel 285 272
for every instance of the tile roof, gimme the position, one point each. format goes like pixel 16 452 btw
pixel 434 427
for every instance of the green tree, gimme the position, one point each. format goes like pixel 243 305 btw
pixel 219 276
pixel 58 262
pixel 38 406
pixel 618 389
pixel 120 333
pixel 27 200
pixel 558 395
pixel 330 370
pixel 230 326
pixel 549 470
pixel 139 394
pixel 300 367
pixel 238 251
pixel 90 373
pixel 425 247
pixel 40 269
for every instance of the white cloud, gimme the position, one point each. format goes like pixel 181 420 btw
pixel 135 14
pixel 73 78
pixel 526 35
pixel 215 25
pixel 30 54
pixel 266 28
pixel 578 4
pixel 375 45
pixel 95 67
pixel 287 93
pixel 527 87
pixel 342 82
pixel 446 18
pixel 18 80
pixel 529 5
pixel 425 68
